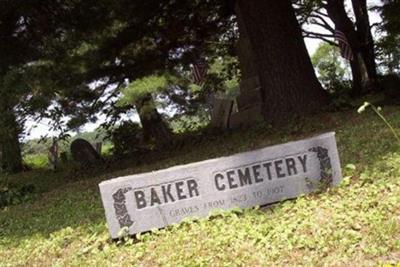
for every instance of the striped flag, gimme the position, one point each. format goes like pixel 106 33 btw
pixel 199 71
pixel 345 48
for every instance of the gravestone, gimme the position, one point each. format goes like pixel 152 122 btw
pixel 221 112
pixel 246 117
pixel 154 200
pixel 53 155
pixel 249 104
pixel 84 153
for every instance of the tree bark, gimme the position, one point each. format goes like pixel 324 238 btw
pixel 363 65
pixel 154 128
pixel 10 158
pixel 361 79
pixel 248 68
pixel 365 37
pixel 289 84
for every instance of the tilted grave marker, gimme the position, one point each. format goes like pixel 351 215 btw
pixel 84 153
pixel 154 200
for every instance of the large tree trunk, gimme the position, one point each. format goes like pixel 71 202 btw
pixel 363 65
pixel 365 37
pixel 154 128
pixel 288 81
pixel 361 79
pixel 10 158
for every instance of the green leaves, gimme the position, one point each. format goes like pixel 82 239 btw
pixel 140 87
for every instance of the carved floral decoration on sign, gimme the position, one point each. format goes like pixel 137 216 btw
pixel 325 164
pixel 121 210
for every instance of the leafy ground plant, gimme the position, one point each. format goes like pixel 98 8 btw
pixel 354 224
pixel 378 111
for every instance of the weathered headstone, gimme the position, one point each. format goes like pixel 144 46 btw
pixel 222 109
pixel 246 117
pixel 83 153
pixel 156 199
pixel 249 99
pixel 53 155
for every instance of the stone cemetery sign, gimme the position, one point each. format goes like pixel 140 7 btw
pixel 156 199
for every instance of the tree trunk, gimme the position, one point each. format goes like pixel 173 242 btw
pixel 361 79
pixel 11 159
pixel 288 81
pixel 154 128
pixel 248 68
pixel 365 37
pixel 363 65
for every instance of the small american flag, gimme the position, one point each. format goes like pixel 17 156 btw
pixel 199 71
pixel 345 48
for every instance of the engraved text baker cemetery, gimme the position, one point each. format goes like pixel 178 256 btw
pixel 154 200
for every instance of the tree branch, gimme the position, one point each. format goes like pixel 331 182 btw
pixel 320 36
pixel 324 23
pixel 323 39
pixel 306 33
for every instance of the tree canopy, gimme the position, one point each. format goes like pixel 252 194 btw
pixel 73 61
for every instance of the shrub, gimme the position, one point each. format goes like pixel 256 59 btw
pixel 126 138
pixel 13 196
pixel 391 86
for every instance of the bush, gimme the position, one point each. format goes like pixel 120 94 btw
pixel 36 161
pixel 391 86
pixel 13 196
pixel 340 92
pixel 127 139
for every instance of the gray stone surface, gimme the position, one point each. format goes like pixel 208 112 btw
pixel 222 108
pixel 156 199
pixel 84 153
pixel 246 117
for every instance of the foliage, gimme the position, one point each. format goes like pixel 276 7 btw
pixel 353 224
pixel 128 52
pixel 388 50
pixel 333 73
pixel 378 111
pixel 388 53
pixel 146 85
pixel 331 70
pixel 28 32
pixel 126 138
pixel 185 124
pixel 36 161
pixel 14 196
pixel 390 84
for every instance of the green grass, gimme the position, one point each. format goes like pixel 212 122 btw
pixel 36 161
pixel 355 224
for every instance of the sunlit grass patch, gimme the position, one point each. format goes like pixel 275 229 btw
pixel 36 161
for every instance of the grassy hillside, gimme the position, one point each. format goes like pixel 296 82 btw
pixel 355 224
